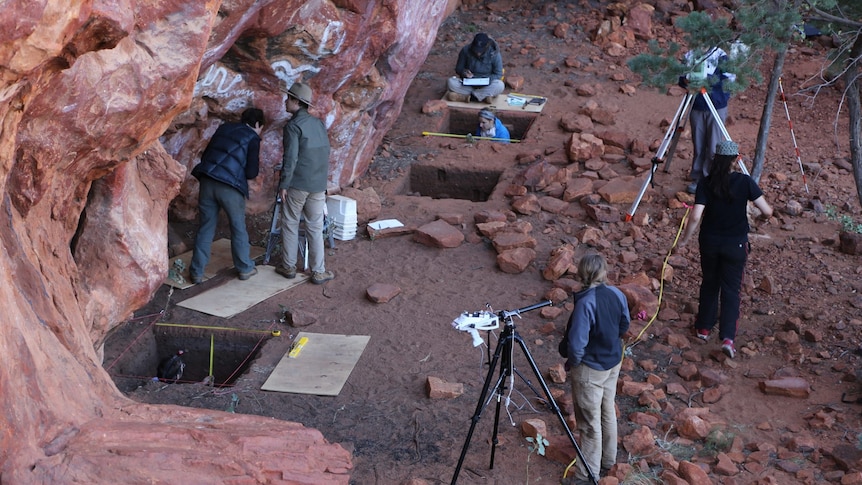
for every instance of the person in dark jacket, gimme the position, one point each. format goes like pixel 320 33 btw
pixel 480 59
pixel 228 162
pixel 595 355
pixel 705 128
pixel 491 127
pixel 302 188
pixel 722 202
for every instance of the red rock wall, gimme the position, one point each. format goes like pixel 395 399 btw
pixel 104 106
pixel 358 56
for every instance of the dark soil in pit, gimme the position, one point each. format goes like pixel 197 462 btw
pixel 797 279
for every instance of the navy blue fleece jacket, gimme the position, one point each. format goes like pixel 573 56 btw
pixel 598 323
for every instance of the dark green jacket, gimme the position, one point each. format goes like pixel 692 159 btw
pixel 305 164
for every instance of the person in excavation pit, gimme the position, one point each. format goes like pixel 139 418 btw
pixel 491 127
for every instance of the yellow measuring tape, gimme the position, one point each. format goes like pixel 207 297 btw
pixel 474 137
pixel 297 347
pixel 274 333
pixel 661 279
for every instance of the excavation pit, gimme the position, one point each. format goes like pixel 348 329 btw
pixel 474 181
pixel 232 351
pixel 446 182
pixel 463 121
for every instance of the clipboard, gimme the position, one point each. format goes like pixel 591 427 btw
pixel 476 81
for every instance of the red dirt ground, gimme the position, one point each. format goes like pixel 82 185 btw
pixel 383 414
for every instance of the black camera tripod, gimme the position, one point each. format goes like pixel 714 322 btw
pixel 503 354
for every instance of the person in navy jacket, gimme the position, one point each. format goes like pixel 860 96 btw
pixel 595 353
pixel 228 162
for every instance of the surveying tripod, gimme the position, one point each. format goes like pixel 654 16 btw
pixel 274 236
pixel 671 138
pixel 504 354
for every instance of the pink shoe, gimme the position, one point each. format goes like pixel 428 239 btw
pixel 728 348
pixel 701 333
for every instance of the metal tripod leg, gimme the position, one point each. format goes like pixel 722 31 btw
pixel 274 231
pixel 505 346
pixel 665 150
pixel 668 145
pixel 670 149
pixel 722 127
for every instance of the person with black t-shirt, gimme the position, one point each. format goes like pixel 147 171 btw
pixel 720 207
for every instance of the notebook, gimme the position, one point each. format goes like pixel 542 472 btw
pixel 476 81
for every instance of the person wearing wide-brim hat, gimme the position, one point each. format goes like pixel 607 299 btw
pixel 301 92
pixel 302 188
pixel 721 201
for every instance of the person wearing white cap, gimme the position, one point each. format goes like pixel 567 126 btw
pixel 302 188
pixel 720 205
pixel 491 127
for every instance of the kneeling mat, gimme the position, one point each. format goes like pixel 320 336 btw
pixel 320 367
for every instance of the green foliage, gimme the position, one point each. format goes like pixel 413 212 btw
pixel 659 67
pixel 680 452
pixel 757 28
pixel 537 444
pixel 847 222
pixel 849 225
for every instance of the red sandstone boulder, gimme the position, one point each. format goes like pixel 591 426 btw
pixel 106 107
pixel 439 234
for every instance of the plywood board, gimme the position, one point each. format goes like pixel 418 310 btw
pixel 220 259
pixel 236 296
pixel 320 368
pixel 505 102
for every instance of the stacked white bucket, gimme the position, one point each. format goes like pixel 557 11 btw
pixel 342 213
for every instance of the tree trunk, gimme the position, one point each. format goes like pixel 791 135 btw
pixel 766 118
pixel 855 111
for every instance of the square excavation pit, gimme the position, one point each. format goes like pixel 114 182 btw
pixel 462 121
pixel 232 351
pixel 468 182
pixel 439 182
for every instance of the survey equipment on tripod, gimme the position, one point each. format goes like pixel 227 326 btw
pixel 671 138
pixel 504 355
pixel 473 322
pixel 665 150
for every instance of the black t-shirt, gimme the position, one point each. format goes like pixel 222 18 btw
pixel 725 220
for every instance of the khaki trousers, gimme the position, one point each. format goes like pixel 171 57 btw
pixel 308 206
pixel 593 393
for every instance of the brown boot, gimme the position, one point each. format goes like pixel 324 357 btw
pixel 459 98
